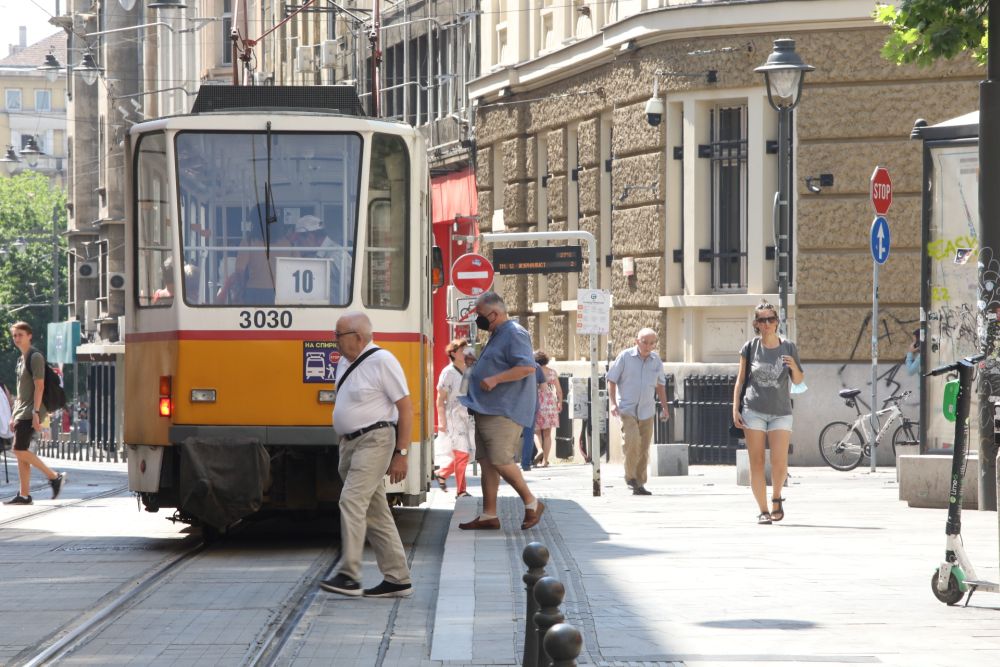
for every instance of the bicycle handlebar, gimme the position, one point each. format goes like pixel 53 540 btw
pixel 954 366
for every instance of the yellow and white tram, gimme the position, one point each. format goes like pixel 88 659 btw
pixel 254 222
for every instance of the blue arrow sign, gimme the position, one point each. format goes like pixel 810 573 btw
pixel 880 239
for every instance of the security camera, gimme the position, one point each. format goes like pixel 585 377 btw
pixel 654 111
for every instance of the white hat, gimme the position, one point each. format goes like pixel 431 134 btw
pixel 308 223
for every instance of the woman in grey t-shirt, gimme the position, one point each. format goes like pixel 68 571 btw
pixel 767 407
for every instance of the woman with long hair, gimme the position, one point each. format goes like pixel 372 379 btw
pixel 454 419
pixel 768 363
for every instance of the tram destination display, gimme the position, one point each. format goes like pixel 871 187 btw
pixel 543 259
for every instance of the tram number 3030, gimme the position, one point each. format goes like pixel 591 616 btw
pixel 265 319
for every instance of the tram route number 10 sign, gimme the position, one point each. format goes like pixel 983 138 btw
pixel 593 311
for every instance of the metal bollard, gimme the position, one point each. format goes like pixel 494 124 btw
pixel 549 592
pixel 536 557
pixel 563 643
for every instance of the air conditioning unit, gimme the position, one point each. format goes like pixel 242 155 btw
pixel 305 59
pixel 91 313
pixel 328 59
pixel 116 281
pixel 86 270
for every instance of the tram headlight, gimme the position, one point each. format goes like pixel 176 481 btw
pixel 203 396
pixel 327 395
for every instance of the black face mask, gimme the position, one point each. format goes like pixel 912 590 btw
pixel 482 323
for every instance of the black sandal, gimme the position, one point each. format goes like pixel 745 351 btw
pixel 441 482
pixel 780 514
pixel 763 519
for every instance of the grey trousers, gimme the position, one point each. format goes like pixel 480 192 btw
pixel 364 509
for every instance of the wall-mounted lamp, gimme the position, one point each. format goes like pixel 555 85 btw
pixel 88 69
pixel 628 266
pixel 31 152
pixel 628 45
pixel 51 67
pixel 127 5
pixel 815 184
pixel 583 10
pixel 504 92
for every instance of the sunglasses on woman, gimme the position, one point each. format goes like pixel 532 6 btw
pixel 767 320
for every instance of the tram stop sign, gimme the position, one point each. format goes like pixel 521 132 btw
pixel 472 274
pixel 881 190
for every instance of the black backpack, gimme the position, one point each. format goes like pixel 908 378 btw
pixel 53 396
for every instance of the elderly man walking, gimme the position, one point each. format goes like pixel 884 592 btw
pixel 373 416
pixel 501 397
pixel 632 379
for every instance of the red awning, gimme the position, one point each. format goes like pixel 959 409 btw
pixel 454 194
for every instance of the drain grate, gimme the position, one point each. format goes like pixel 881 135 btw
pixel 90 548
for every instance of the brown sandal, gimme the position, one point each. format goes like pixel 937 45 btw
pixel 779 514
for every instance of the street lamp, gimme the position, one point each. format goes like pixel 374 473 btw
pixel 167 4
pixel 11 162
pixel 88 69
pixel 51 68
pixel 783 74
pixel 31 152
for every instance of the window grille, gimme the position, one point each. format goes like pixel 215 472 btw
pixel 729 198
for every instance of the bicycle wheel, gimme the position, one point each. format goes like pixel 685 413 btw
pixel 841 445
pixel 905 432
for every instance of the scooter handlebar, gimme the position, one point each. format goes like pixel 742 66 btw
pixel 954 366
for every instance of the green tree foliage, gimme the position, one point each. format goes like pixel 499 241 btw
pixel 28 204
pixel 925 30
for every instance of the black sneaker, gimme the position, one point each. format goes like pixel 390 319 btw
pixel 387 589
pixel 19 500
pixel 342 584
pixel 630 483
pixel 640 490
pixel 56 484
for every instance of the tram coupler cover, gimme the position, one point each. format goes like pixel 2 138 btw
pixel 223 480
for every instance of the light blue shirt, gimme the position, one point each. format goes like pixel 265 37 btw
pixel 509 346
pixel 637 379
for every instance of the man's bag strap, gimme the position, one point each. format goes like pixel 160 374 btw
pixel 357 362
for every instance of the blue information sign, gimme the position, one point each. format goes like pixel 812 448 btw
pixel 880 239
pixel 319 359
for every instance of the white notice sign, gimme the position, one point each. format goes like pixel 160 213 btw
pixel 302 280
pixel 593 311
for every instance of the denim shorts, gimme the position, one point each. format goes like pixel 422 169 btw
pixel 758 421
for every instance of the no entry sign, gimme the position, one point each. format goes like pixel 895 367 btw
pixel 881 190
pixel 472 274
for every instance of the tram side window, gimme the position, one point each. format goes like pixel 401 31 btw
pixel 154 264
pixel 384 280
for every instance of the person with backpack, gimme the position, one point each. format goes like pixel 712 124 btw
pixel 27 415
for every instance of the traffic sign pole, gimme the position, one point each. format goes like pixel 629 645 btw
pixel 880 241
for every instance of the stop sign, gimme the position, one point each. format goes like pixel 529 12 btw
pixel 472 274
pixel 881 190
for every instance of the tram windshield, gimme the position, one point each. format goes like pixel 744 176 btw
pixel 268 218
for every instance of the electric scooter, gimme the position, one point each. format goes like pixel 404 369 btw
pixel 955 577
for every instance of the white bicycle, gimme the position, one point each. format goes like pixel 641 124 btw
pixel 843 445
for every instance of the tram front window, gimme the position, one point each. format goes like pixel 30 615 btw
pixel 269 220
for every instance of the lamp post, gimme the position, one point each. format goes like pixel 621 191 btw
pixel 783 74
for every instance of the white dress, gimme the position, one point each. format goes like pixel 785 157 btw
pixel 461 429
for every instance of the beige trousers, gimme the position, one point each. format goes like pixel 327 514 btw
pixel 637 435
pixel 365 510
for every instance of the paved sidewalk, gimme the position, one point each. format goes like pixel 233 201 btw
pixel 686 576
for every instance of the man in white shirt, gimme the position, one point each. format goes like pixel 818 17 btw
pixel 373 416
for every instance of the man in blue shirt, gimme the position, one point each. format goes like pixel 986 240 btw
pixel 631 380
pixel 501 396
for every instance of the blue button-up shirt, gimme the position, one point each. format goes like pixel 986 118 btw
pixel 637 379
pixel 509 346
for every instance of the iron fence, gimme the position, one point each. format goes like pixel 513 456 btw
pixel 708 404
pixel 81 449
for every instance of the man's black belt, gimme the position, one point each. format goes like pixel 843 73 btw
pixel 361 431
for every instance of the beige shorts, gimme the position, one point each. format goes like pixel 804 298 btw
pixel 498 439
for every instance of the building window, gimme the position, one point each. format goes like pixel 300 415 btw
pixel 729 197
pixel 43 100
pixel 227 26
pixel 13 99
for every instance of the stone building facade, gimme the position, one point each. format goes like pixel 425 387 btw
pixel 563 143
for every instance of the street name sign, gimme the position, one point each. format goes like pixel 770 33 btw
pixel 541 259
pixel 881 190
pixel 472 274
